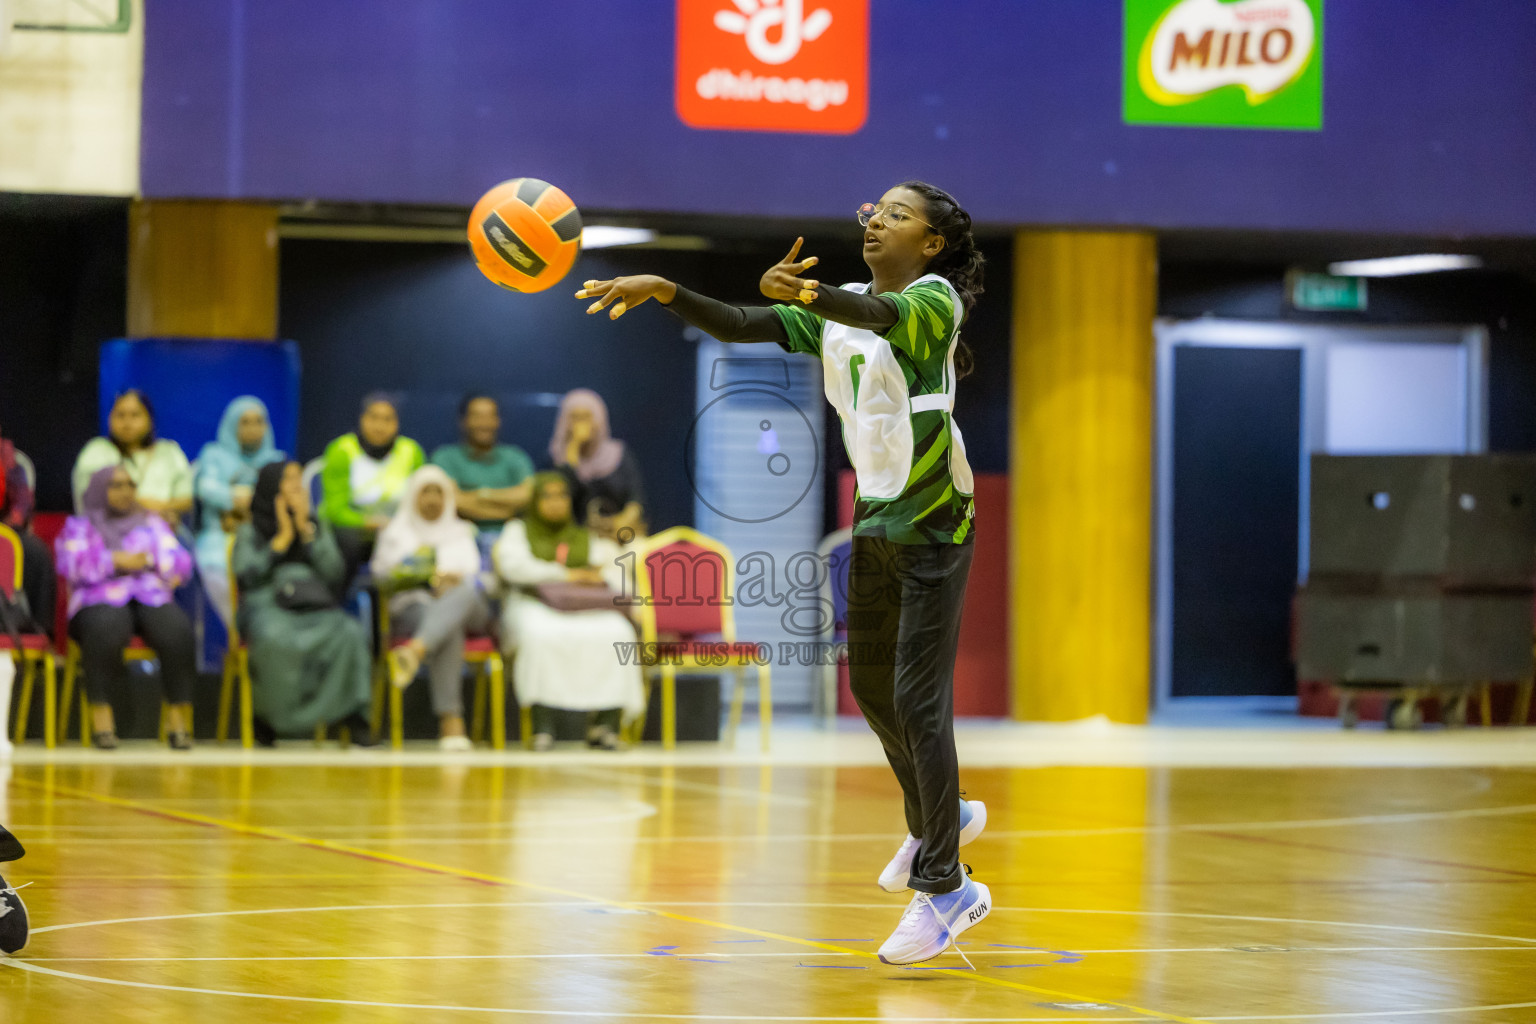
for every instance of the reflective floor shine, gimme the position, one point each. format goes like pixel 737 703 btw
pixel 569 890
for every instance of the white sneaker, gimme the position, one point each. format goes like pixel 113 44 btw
pixel 930 924
pixel 455 744
pixel 973 818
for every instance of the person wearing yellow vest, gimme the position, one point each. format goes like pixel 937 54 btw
pixel 363 478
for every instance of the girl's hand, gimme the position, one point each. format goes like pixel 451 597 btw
pixel 282 540
pixel 783 281
pixel 625 293
pixel 298 505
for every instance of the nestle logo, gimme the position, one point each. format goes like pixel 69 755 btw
pixel 1200 46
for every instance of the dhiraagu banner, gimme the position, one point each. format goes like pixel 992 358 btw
pixel 1224 63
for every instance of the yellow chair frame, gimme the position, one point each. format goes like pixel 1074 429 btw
pixel 490 676
pixel 72 674
pixel 237 665
pixel 666 668
pixel 29 659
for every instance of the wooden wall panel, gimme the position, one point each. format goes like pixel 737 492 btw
pixel 1081 473
pixel 202 270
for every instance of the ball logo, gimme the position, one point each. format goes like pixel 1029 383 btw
pixel 1224 63
pixel 773 65
pixel 511 248
pixel 1203 45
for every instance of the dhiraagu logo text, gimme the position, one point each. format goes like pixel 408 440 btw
pixel 1224 63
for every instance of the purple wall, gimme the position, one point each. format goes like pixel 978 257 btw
pixel 1014 105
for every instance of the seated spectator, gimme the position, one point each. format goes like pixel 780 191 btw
pixel 309 659
pixel 565 659
pixel 17 502
pixel 603 474
pixel 226 479
pixel 363 478
pixel 122 565
pixel 159 468
pixel 491 478
pixel 430 562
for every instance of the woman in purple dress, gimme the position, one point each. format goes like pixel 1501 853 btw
pixel 123 564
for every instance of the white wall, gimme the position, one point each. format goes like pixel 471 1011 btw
pixel 1387 398
pixel 69 100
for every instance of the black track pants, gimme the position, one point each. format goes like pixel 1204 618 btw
pixel 904 604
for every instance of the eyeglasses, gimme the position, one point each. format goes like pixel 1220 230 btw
pixel 892 213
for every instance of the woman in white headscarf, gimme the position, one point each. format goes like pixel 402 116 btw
pixel 428 556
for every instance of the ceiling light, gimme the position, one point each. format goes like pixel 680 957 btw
pixel 602 236
pixel 1396 266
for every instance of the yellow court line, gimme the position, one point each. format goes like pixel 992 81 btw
pixel 191 817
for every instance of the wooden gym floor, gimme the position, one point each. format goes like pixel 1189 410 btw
pixel 569 888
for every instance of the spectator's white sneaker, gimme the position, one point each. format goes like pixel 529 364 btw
pixel 973 818
pixel 930 924
pixel 455 744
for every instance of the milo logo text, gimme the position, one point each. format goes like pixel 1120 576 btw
pixel 1199 46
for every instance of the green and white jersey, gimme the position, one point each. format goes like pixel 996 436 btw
pixel 895 394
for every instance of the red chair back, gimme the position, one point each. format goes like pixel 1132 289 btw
pixel 48 526
pixel 10 561
pixel 688 586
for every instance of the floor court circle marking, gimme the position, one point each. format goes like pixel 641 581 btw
pixel 36 968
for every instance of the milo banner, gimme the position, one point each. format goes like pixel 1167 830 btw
pixel 1224 63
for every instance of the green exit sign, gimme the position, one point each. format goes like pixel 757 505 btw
pixel 1325 291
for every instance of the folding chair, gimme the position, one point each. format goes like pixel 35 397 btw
pixel 35 647
pixel 136 651
pixel 237 665
pixel 684 605
pixel 484 659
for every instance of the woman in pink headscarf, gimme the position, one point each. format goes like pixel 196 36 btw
pixel 608 494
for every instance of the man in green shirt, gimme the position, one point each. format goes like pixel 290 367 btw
pixel 491 477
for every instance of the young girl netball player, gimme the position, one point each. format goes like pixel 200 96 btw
pixel 13 913
pixel 888 352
